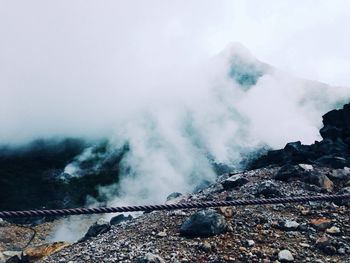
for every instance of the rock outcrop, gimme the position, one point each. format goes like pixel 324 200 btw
pixel 333 151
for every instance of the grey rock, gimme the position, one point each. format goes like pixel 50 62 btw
pixel 341 251
pixel 250 243
pixel 340 174
pixel 289 225
pixel 268 189
pixel 173 196
pixel 204 223
pixel 201 186
pixel 162 234
pixel 151 258
pixel 234 181
pixel 206 247
pixel 11 253
pixel 119 218
pixel 99 227
pixel 285 256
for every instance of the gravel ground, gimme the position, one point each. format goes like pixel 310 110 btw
pixel 310 232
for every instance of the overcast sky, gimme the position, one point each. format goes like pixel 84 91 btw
pixel 60 58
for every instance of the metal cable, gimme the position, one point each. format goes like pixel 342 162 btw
pixel 187 205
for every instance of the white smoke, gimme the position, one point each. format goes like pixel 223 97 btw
pixel 237 105
pixel 148 74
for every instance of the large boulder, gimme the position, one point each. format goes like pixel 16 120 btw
pixel 204 223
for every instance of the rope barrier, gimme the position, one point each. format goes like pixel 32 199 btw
pixel 187 205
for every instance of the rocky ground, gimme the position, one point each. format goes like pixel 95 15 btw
pixel 309 232
pixel 305 232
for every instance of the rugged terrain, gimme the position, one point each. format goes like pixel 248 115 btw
pixel 305 232
pixel 311 232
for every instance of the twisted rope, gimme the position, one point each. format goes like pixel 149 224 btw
pixel 148 208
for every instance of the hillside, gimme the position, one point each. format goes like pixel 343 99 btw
pixel 308 232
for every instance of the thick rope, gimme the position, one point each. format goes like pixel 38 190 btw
pixel 148 208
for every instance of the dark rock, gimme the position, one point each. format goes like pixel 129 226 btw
pixel 336 162
pixel 119 218
pixel 324 244
pixel 204 223
pixel 15 259
pixel 234 181
pixel 151 258
pixel 305 173
pixel 173 196
pixel 330 132
pixel 345 202
pixel 320 180
pixel 333 151
pixel 289 172
pixel 340 174
pixel 296 152
pixel 99 227
pixel 268 189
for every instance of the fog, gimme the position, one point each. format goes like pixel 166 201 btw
pixel 72 68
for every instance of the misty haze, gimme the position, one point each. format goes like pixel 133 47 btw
pixel 120 103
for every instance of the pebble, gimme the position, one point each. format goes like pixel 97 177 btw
pixel 321 223
pixel 2 222
pixel 289 225
pixel 205 246
pixel 162 234
pixel 304 245
pixel 250 243
pixel 2 257
pixel 151 258
pixel 333 230
pixel 285 256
